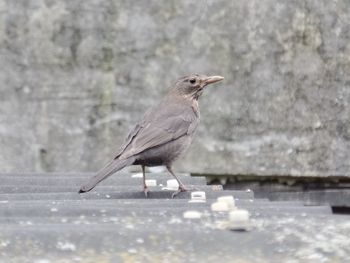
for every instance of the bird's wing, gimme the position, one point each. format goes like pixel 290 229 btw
pixel 128 140
pixel 158 128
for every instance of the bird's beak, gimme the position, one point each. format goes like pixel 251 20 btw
pixel 212 79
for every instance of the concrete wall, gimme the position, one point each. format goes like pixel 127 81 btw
pixel 76 75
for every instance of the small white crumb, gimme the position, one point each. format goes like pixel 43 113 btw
pixel 192 214
pixel 132 250
pixel 66 246
pixel 219 207
pixel 140 241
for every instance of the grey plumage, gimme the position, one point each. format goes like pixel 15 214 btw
pixel 164 132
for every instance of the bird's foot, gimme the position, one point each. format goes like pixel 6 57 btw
pixel 182 188
pixel 146 191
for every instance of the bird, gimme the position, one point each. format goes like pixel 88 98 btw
pixel 164 132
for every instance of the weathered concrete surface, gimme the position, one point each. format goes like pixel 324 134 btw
pixel 76 75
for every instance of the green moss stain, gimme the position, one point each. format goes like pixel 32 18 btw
pixel 105 110
pixel 107 58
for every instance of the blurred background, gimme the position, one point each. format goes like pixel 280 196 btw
pixel 76 75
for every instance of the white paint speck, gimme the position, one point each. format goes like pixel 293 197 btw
pixel 137 175
pixel 66 246
pixel 132 250
pixel 140 241
pixel 175 220
pixel 290 151
pixel 4 243
pixel 42 261
pixel 129 226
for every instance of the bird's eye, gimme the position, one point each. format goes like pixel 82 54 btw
pixel 192 81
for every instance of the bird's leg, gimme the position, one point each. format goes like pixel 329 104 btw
pixel 182 187
pixel 145 188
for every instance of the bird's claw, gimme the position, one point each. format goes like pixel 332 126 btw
pixel 182 188
pixel 146 191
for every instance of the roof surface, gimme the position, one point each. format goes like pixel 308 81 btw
pixel 43 219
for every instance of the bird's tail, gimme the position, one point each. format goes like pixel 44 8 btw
pixel 109 169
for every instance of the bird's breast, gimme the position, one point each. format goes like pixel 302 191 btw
pixel 195 108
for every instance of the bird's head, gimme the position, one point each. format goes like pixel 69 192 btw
pixel 192 86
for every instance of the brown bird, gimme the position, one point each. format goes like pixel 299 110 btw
pixel 165 131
